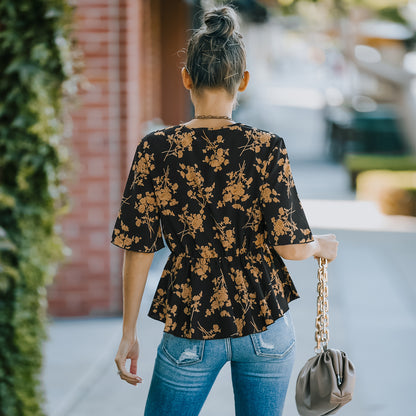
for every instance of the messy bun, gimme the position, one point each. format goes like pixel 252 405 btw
pixel 216 55
pixel 221 22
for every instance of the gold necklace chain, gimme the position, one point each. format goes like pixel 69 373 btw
pixel 210 117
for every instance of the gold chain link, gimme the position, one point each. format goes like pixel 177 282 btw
pixel 322 318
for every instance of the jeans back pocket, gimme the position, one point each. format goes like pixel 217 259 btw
pixel 278 339
pixel 182 351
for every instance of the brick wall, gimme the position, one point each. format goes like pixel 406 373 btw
pixel 123 53
pixel 175 106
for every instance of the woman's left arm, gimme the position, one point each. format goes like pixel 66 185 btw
pixel 136 267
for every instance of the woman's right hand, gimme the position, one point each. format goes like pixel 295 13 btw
pixel 327 246
pixel 128 349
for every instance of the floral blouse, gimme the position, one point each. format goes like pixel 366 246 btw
pixel 223 198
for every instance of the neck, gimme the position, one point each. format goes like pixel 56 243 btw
pixel 213 103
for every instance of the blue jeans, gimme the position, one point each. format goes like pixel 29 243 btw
pixel 261 364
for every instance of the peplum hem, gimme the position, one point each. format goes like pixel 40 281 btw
pixel 220 199
pixel 243 295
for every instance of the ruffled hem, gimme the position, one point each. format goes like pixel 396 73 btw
pixel 222 297
pixel 228 331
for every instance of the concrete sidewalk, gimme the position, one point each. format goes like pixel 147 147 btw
pixel 372 315
pixel 372 309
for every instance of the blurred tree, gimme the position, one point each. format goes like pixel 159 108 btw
pixel 36 63
pixel 252 10
pixel 388 9
pixel 257 10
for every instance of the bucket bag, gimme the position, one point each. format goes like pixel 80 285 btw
pixel 326 382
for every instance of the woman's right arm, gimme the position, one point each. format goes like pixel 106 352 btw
pixel 324 246
pixel 136 267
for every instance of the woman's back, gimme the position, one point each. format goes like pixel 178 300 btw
pixel 224 198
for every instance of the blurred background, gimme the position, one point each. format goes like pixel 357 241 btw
pixel 337 80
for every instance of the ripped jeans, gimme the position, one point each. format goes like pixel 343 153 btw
pixel 261 364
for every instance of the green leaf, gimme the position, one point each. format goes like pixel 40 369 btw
pixel 33 161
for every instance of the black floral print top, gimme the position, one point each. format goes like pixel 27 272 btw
pixel 223 199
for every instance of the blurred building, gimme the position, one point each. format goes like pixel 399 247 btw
pixel 132 67
pixel 133 53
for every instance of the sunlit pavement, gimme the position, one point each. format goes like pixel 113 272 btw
pixel 372 284
pixel 372 317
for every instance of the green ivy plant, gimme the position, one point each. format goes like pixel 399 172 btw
pixel 37 76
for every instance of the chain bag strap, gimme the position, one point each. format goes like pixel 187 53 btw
pixel 326 382
pixel 322 308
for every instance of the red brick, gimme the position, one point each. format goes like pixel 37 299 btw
pixel 123 72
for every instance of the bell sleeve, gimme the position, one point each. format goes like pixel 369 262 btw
pixel 285 220
pixel 137 226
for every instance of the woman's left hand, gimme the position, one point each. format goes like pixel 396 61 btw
pixel 128 350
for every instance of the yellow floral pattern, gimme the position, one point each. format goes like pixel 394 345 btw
pixel 236 190
pixel 217 156
pixel 223 199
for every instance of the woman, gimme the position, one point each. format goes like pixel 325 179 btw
pixel 223 194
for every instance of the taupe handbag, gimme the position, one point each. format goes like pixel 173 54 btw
pixel 326 382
